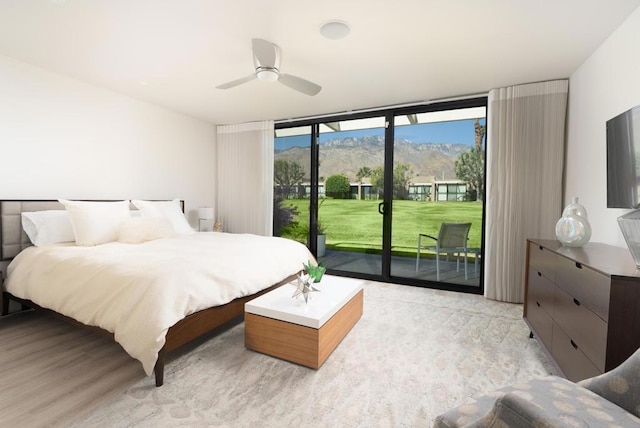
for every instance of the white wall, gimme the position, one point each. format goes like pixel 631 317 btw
pixel 607 84
pixel 62 138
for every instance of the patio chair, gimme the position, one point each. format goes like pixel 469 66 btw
pixel 452 239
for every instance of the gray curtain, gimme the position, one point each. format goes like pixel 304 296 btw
pixel 244 158
pixel 525 161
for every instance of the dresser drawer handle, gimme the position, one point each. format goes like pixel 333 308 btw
pixel 576 301
pixel 573 344
pixel 539 274
pixel 579 265
pixel 538 303
pixel 540 246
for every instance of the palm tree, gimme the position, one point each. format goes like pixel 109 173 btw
pixel 480 131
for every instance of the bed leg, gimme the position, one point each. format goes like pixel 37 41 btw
pixel 159 369
pixel 5 303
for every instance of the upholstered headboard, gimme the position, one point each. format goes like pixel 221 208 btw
pixel 13 239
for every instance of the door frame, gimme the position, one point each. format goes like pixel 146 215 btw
pixel 389 115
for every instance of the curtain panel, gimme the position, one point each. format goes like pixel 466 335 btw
pixel 244 159
pixel 525 162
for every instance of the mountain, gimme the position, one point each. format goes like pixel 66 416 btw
pixel 347 155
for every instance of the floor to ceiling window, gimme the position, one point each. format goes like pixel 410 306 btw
pixel 393 195
pixel 292 183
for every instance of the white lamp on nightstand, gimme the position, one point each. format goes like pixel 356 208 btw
pixel 204 213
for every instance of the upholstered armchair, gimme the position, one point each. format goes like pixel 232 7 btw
pixel 611 399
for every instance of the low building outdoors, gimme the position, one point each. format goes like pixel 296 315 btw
pixel 422 189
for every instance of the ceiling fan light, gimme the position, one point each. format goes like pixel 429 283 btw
pixel 267 75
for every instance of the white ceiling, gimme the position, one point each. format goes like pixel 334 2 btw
pixel 398 52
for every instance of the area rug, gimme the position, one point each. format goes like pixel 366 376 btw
pixel 414 354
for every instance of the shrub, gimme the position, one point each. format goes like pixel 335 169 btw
pixel 283 217
pixel 337 186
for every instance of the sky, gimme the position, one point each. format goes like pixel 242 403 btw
pixel 458 131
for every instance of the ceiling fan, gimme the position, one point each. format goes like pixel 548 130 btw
pixel 266 57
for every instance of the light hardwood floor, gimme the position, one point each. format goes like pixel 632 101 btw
pixel 64 373
pixel 450 347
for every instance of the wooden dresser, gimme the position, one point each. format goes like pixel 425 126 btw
pixel 583 305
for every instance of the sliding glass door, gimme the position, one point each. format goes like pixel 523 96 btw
pixel 438 177
pixel 395 195
pixel 351 194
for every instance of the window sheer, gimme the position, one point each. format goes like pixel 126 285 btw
pixel 526 133
pixel 245 177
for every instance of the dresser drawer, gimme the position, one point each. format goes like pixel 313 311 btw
pixel 540 322
pixel 591 288
pixel 585 328
pixel 543 260
pixel 574 363
pixel 540 291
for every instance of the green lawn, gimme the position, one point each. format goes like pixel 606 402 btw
pixel 356 224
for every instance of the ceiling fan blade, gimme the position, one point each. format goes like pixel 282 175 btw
pixel 236 82
pixel 299 84
pixel 265 53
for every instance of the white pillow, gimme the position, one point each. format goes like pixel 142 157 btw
pixel 166 209
pixel 96 223
pixel 47 227
pixel 136 230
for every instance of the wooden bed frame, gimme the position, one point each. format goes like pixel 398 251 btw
pixel 181 333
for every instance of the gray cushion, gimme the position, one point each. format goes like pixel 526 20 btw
pixel 544 402
pixel 620 385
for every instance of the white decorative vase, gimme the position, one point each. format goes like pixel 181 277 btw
pixel 573 228
pixel 575 205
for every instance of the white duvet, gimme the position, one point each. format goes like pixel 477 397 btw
pixel 138 291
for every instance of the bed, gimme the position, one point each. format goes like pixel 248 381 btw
pixel 151 295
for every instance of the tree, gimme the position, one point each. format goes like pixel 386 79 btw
pixel 480 131
pixel 337 186
pixel 401 175
pixel 377 180
pixel 287 175
pixel 363 172
pixel 470 167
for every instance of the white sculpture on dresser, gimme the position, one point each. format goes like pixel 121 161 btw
pixel 573 228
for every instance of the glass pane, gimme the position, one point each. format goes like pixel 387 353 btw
pixel 439 157
pixel 292 184
pixel 351 171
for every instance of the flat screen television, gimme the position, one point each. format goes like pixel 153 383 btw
pixel 623 159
